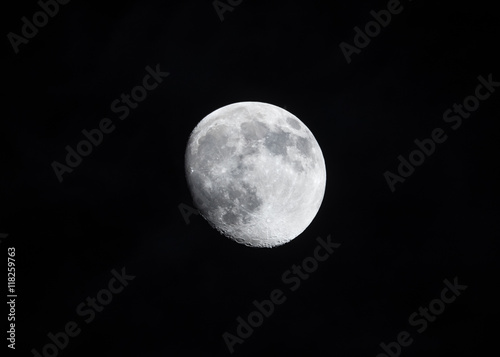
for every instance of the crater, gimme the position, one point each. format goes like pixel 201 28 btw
pixel 239 202
pixel 230 218
pixel 234 194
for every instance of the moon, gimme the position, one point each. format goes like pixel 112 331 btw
pixel 256 173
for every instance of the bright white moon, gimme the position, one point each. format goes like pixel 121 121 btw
pixel 256 173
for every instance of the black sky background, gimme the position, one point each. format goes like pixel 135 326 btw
pixel 120 206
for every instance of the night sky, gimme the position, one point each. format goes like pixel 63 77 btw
pixel 119 210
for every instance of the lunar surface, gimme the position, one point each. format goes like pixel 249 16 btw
pixel 256 173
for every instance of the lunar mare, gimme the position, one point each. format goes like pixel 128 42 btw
pixel 256 173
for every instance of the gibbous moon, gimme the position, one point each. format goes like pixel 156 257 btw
pixel 256 173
